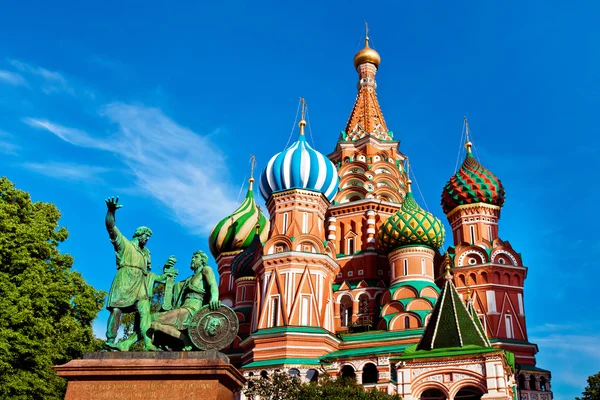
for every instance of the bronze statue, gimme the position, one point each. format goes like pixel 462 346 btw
pixel 199 290
pixel 131 289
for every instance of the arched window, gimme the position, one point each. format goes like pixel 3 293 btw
pixel 348 372
pixel 490 232
pixel 543 384
pixel 345 311
pixel 406 322
pixel 472 234
pixel 312 375
pixel 350 245
pixel 405 267
pixel 294 372
pixel 422 266
pixel 305 222
pixel 433 394
pixel 370 374
pixel 264 374
pixel 285 223
pixel 363 304
pixel 509 326
pixel 274 310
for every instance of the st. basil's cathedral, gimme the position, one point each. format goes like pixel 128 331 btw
pixel 348 275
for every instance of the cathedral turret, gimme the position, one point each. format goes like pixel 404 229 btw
pixel 232 235
pixel 472 200
pixel 295 274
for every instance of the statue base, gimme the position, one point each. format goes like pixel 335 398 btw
pixel 151 375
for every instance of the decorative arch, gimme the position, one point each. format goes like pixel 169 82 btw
pixel 350 166
pixel 422 387
pixel 397 322
pixel 478 255
pixel 392 308
pixel 370 374
pixel 406 292
pixel 429 292
pixel 497 255
pixel 474 382
pixel 419 305
pixel 279 240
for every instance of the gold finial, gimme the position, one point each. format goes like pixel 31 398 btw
pixel 468 145
pixel 367 54
pixel 408 183
pixel 253 162
pixel 447 274
pixel 302 122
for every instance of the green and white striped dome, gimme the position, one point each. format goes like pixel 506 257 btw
pixel 236 231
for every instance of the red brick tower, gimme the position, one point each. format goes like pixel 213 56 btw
pixel 372 188
pixel 481 261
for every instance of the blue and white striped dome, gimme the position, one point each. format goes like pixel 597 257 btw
pixel 299 167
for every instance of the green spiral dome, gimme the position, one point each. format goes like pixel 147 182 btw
pixel 236 231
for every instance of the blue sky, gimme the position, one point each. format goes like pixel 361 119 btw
pixel 163 104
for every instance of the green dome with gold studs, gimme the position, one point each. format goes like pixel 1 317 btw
pixel 411 225
pixel 236 231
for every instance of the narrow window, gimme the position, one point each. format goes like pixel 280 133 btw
pixel 305 311
pixel 243 293
pixel 350 246
pixel 472 234
pixel 490 232
pixel 405 267
pixel 285 223
pixel 520 298
pixel 509 327
pixel 274 310
pixel 491 300
pixel 406 322
pixel 422 266
pixel 305 223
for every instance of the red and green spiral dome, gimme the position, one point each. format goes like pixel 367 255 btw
pixel 473 183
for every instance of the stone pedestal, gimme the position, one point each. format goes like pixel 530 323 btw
pixel 204 375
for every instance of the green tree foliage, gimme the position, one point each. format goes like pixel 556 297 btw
pixel 592 391
pixel 282 386
pixel 46 308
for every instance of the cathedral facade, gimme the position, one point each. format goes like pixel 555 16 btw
pixel 348 275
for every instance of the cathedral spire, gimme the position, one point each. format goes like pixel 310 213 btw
pixel 366 118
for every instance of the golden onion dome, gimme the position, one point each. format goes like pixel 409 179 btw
pixel 367 55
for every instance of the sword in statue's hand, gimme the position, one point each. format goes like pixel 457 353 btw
pixel 171 272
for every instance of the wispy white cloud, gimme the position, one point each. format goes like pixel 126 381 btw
pixel 50 81
pixel 70 135
pixel 183 170
pixel 7 146
pixel 12 78
pixel 573 347
pixel 68 171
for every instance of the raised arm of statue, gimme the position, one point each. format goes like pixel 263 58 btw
pixel 112 205
pixel 209 275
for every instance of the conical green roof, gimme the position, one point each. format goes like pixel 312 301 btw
pixel 473 313
pixel 450 324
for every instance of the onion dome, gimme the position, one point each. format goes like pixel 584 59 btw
pixel 367 55
pixel 241 265
pixel 472 184
pixel 236 231
pixel 411 225
pixel 299 167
